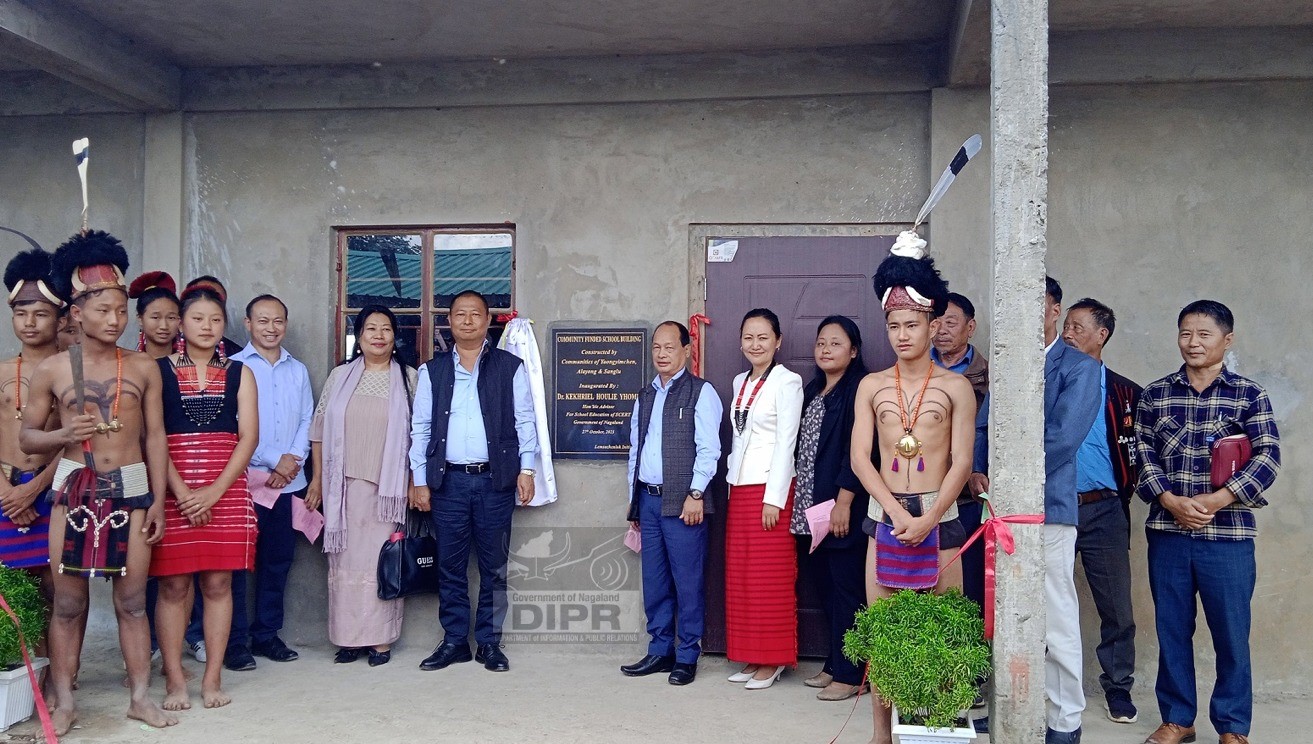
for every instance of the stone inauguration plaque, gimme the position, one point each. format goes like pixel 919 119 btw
pixel 598 373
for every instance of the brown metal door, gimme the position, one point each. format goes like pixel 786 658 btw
pixel 803 280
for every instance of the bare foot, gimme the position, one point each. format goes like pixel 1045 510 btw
pixel 176 699
pixel 62 719
pixel 150 714
pixel 215 698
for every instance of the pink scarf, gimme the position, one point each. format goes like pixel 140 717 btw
pixel 395 475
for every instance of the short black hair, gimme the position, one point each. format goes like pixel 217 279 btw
pixel 768 315
pixel 1102 314
pixel 963 304
pixel 684 338
pixel 250 306
pixel 1053 289
pixel 1213 309
pixel 472 293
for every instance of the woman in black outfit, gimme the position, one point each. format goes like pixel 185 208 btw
pixel 836 568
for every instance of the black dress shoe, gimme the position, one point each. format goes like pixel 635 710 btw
pixel 650 664
pixel 238 658
pixel 682 674
pixel 347 655
pixel 275 650
pixel 492 659
pixel 445 655
pixel 379 658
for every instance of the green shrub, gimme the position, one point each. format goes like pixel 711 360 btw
pixel 925 650
pixel 23 593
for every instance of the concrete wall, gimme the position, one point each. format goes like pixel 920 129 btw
pixel 602 198
pixel 1160 195
pixel 39 190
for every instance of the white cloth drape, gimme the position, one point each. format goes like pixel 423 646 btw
pixel 519 340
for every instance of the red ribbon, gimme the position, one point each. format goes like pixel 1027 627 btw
pixel 508 317
pixel 996 534
pixel 695 336
pixel 46 725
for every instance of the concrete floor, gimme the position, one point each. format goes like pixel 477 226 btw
pixel 550 695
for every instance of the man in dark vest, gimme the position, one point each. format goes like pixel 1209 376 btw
pixel 473 443
pixel 1105 479
pixel 674 447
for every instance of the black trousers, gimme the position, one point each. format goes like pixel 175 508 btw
pixel 839 576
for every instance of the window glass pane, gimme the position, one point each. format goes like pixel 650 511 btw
pixel 443 340
pixel 408 336
pixel 478 261
pixel 384 270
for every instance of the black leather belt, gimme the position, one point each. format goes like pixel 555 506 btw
pixel 649 489
pixel 470 468
pixel 1098 494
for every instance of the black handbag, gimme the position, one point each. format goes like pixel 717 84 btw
pixel 408 561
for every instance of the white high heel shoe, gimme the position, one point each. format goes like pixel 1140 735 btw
pixel 761 684
pixel 741 676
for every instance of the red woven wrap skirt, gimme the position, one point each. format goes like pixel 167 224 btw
pixel 761 570
pixel 227 543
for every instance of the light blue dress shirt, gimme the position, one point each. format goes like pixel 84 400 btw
pixel 706 437
pixel 467 440
pixel 286 406
pixel 961 366
pixel 1093 461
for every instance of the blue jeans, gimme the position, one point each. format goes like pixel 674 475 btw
pixel 1103 541
pixel 674 555
pixel 1221 573
pixel 468 512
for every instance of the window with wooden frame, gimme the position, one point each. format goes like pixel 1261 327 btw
pixel 415 272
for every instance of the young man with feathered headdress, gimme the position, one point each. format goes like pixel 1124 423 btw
pixel 107 491
pixel 922 418
pixel 24 514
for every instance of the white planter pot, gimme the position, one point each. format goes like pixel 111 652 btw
pixel 909 734
pixel 17 703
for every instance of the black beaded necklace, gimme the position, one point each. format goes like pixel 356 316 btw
pixel 201 406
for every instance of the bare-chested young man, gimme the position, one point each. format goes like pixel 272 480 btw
pixel 24 512
pixel 103 527
pixel 923 418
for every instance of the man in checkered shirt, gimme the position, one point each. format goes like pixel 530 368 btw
pixel 1201 539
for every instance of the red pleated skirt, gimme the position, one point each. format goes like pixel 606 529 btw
pixel 761 570
pixel 227 543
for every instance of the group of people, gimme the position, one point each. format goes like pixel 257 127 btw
pixel 901 458
pixel 139 466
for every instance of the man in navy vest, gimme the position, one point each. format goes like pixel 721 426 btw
pixel 473 443
pixel 674 446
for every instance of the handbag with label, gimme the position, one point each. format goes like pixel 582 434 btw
pixel 408 561
pixel 1229 455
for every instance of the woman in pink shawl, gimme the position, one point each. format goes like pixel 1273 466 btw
pixel 358 441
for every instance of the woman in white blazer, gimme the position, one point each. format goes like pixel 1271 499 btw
pixel 760 562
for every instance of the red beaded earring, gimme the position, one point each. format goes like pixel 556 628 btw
pixel 141 340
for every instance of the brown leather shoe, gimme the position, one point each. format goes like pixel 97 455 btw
pixel 1170 733
pixel 1233 739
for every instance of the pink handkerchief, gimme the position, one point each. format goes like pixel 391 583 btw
pixel 307 521
pixel 818 519
pixel 257 482
pixel 634 539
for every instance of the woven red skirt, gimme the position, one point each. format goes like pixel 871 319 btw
pixel 761 570
pixel 227 543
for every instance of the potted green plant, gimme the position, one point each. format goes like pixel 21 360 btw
pixel 22 593
pixel 926 652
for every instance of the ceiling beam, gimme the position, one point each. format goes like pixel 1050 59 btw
pixel 968 48
pixel 1182 55
pixel 49 36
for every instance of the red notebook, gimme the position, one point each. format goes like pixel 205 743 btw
pixel 1229 455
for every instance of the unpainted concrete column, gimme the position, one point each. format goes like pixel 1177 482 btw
pixel 161 218
pixel 1019 120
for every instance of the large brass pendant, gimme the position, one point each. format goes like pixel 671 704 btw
pixel 908 446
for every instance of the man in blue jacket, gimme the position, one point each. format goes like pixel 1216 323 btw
pixel 1071 404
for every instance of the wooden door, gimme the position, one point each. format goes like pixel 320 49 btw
pixel 803 280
